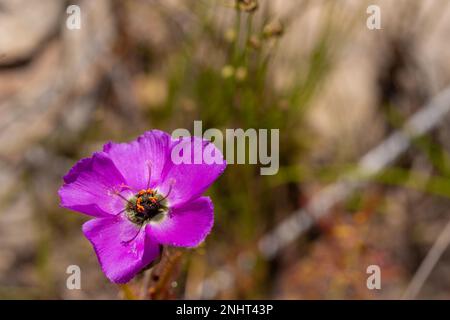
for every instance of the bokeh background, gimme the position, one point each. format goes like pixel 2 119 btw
pixel 311 68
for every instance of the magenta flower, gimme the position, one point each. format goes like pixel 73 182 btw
pixel 141 199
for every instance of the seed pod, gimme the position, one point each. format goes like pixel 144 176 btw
pixel 227 71
pixel 230 35
pixel 241 74
pixel 273 29
pixel 247 5
pixel 254 42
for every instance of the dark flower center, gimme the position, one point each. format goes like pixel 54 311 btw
pixel 146 205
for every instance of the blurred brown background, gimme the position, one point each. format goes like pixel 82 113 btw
pixel 334 88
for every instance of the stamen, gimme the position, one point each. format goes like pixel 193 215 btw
pixel 121 211
pixel 116 193
pixel 139 207
pixel 149 174
pixel 172 182
pixel 122 197
pixel 146 204
pixel 125 186
pixel 134 237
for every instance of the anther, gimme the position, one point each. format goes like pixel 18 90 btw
pixel 139 207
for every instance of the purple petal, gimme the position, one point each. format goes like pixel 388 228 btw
pixel 186 225
pixel 190 180
pixel 81 166
pixel 91 182
pixel 134 158
pixel 120 258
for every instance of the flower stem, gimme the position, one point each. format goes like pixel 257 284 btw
pixel 127 292
pixel 163 274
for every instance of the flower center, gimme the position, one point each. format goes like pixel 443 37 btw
pixel 145 206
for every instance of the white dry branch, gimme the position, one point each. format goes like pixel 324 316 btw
pixel 371 164
pixel 440 245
